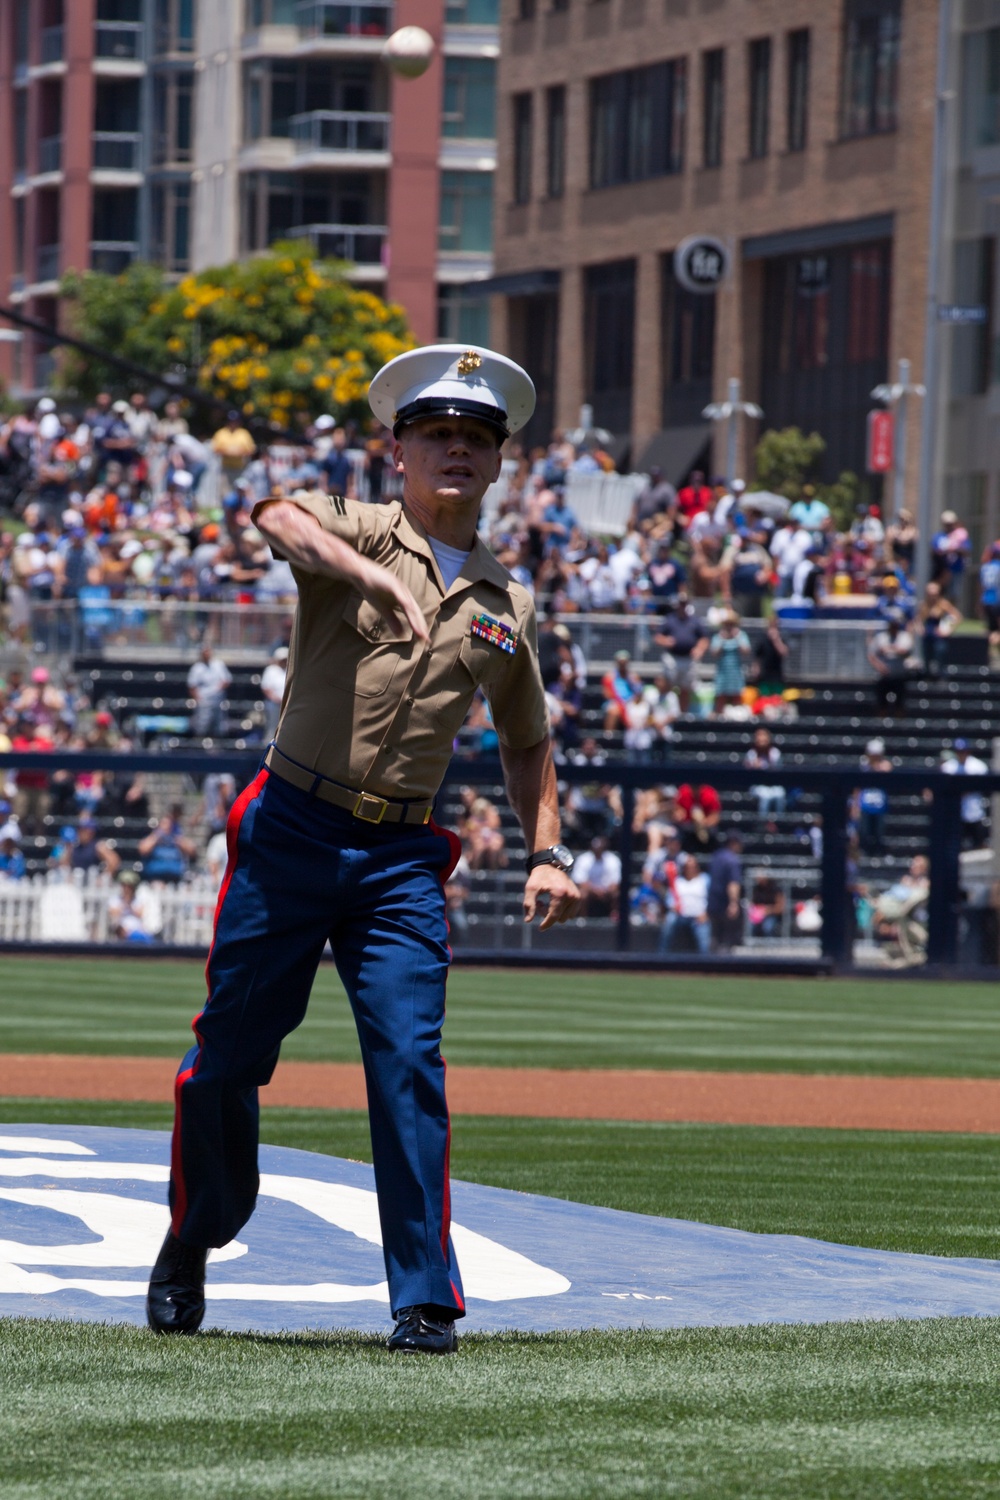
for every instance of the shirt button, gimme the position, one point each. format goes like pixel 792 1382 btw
pixel 386 749
pixel 411 700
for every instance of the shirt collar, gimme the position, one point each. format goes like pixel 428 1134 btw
pixel 480 563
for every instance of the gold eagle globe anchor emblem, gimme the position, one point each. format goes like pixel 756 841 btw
pixel 469 362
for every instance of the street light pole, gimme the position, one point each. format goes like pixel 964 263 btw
pixel 730 411
pixel 895 396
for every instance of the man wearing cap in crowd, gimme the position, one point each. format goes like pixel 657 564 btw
pixel 975 809
pixel 272 686
pixel 403 615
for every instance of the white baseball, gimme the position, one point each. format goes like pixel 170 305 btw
pixel 408 51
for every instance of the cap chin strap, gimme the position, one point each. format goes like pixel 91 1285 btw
pixel 433 406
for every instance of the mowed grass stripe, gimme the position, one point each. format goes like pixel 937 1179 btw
pixel 543 1019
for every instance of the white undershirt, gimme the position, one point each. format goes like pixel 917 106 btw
pixel 450 560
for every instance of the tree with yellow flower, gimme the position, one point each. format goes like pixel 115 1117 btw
pixel 281 337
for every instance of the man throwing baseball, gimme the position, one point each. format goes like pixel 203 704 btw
pixel 403 614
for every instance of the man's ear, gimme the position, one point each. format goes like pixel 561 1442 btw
pixel 397 456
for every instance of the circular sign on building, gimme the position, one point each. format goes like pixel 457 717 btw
pixel 701 263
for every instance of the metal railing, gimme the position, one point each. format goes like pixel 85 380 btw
pixel 112 256
pixel 116 150
pixel 50 153
pixel 47 263
pixel 339 130
pixel 121 41
pixel 53 43
pixel 52 909
pixel 360 243
pixel 321 18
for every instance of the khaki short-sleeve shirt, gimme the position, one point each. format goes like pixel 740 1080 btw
pixel 380 713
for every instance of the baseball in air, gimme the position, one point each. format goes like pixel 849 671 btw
pixel 408 51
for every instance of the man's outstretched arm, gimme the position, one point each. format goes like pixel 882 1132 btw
pixel 530 776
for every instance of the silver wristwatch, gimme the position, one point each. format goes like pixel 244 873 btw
pixel 557 855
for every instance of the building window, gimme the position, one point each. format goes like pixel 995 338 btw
pixel 522 147
pixel 980 89
pixel 637 123
pixel 798 90
pixel 466 219
pixel 555 141
pixel 469 98
pixel 272 13
pixel 972 286
pixel 759 80
pixel 463 318
pixel 171 225
pixel 472 13
pixel 173 26
pixel 173 102
pixel 526 10
pixel 688 350
pixel 870 89
pixel 20 130
pixel 712 103
pixel 609 336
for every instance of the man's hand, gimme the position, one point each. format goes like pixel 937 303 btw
pixel 391 598
pixel 563 898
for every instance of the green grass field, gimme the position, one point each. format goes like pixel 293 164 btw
pixel 539 1019
pixel 808 1413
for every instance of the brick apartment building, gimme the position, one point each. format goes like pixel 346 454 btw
pixel 800 135
pixel 191 133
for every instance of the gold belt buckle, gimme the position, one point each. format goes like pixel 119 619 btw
pixel 369 808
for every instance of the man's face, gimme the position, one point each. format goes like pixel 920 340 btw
pixel 450 460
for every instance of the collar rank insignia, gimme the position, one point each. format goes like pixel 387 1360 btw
pixel 494 631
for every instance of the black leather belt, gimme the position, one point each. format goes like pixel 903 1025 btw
pixel 365 806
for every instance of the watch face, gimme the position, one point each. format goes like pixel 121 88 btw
pixel 562 857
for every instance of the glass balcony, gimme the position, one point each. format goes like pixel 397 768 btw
pixel 47 263
pixel 112 256
pixel 50 153
pixel 116 150
pixel 52 44
pixel 360 243
pixel 120 41
pixel 340 130
pixel 320 18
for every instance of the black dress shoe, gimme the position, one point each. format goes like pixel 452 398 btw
pixel 176 1299
pixel 417 1332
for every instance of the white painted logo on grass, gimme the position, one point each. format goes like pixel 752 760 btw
pixel 128 1231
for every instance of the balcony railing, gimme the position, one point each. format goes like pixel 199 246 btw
pixel 120 41
pixel 112 256
pixel 52 44
pixel 50 153
pixel 340 130
pixel 360 243
pixel 318 18
pixel 47 263
pixel 116 150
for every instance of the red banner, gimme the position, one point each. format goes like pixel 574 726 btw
pixel 879 442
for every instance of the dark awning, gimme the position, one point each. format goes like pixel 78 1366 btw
pixel 818 237
pixel 675 450
pixel 517 284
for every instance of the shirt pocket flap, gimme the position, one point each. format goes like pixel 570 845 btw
pixel 369 622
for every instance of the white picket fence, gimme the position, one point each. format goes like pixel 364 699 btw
pixel 47 909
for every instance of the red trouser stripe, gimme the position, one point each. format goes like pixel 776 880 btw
pixel 233 822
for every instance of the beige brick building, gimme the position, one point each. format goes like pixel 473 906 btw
pixel 802 136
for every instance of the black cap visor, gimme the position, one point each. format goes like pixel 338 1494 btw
pixel 433 406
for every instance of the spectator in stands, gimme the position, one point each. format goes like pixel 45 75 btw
pixel 790 545
pixel 594 806
pixel 658 499
pixel 935 619
pixel 696 812
pixel 12 862
pixel 131 911
pixel 870 804
pixel 79 848
pixel 483 837
pixel 598 877
pixel 890 652
pixel 687 914
pixel 725 893
pixel 683 641
pixel 895 602
pixel 770 656
pixel 234 445
pixel 767 907
pixel 565 708
pixel 166 853
pixel 604 592
pixel 666 574
pixel 730 647
pixel 32 797
pixel 808 579
pixel 989 600
pixel 620 685
pixel 664 709
pixel 558 521
pixel 693 498
pixel 207 682
pixel 764 755
pixel 975 811
pixel 749 571
pixel 810 511
pixel 901 542
pixel 949 552
pixel 218 796
pixel 456 894
pixel 272 687
pixel 335 466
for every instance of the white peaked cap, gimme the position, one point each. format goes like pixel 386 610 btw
pixel 454 380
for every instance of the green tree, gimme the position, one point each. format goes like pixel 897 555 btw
pixel 785 463
pixel 281 336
